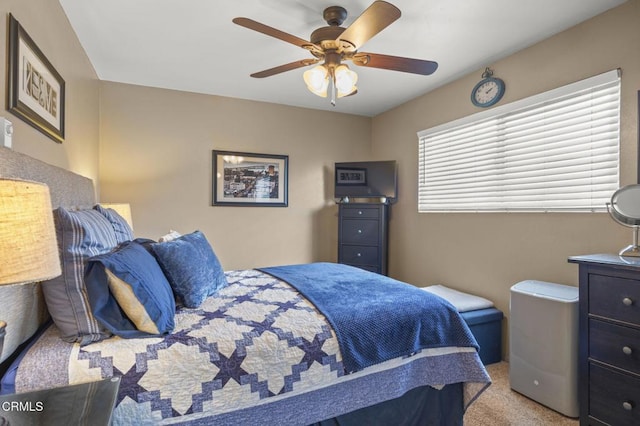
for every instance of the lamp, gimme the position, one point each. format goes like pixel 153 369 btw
pixel 337 78
pixel 28 246
pixel 123 209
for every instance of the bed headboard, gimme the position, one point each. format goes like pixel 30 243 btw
pixel 22 307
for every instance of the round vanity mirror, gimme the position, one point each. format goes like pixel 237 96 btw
pixel 624 208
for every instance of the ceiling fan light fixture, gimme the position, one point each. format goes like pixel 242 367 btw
pixel 341 81
pixel 345 80
pixel 317 80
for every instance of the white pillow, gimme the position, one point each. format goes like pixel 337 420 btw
pixel 172 235
pixel 462 301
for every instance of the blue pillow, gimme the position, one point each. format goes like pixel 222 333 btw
pixel 128 292
pixel 192 268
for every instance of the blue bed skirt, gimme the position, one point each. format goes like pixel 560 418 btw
pixel 418 407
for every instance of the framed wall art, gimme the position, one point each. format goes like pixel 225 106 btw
pixel 351 176
pixel 247 179
pixel 35 89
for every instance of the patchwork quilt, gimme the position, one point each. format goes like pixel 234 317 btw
pixel 257 349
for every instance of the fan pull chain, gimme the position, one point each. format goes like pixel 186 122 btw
pixel 333 89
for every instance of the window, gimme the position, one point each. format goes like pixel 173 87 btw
pixel 556 151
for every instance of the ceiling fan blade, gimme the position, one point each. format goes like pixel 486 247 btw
pixel 374 19
pixel 273 32
pixel 395 63
pixel 285 67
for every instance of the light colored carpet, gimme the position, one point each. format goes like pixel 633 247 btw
pixel 501 406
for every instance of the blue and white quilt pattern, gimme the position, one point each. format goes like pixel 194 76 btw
pixel 256 350
pixel 256 339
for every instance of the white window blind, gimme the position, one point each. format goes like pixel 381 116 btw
pixel 556 151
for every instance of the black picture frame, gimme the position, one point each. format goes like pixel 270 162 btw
pixel 352 176
pixel 35 90
pixel 243 179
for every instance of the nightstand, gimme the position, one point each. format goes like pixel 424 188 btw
pixel 88 404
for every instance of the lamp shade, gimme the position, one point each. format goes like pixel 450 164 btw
pixel 28 246
pixel 345 80
pixel 317 80
pixel 123 209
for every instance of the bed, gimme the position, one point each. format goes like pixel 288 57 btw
pixel 297 344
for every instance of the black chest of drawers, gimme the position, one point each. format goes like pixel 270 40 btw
pixel 362 235
pixel 609 341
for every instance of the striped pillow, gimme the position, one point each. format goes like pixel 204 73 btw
pixel 120 226
pixel 81 234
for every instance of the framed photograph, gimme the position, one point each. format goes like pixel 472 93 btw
pixel 351 176
pixel 246 179
pixel 35 89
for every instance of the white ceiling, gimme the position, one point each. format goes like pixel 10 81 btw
pixel 192 45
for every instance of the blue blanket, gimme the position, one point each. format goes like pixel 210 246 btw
pixel 376 318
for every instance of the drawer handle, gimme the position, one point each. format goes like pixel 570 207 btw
pixel 627 350
pixel 359 211
pixel 627 301
pixel 359 231
pixel 360 255
pixel 627 405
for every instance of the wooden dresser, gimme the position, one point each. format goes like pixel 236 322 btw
pixel 609 340
pixel 362 235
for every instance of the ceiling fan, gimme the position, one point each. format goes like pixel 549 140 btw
pixel 333 44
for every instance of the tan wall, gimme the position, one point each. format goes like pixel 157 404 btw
pixel 486 253
pixel 155 153
pixel 46 23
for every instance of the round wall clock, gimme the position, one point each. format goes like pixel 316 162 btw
pixel 488 91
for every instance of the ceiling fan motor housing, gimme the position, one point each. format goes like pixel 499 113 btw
pixel 326 34
pixel 327 37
